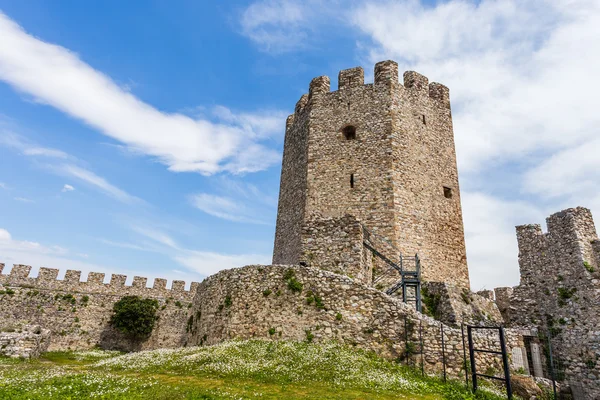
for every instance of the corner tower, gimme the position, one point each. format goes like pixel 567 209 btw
pixel 382 153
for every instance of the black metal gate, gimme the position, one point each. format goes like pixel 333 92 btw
pixel 502 352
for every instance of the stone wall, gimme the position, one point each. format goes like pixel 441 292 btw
pixel 260 302
pixel 560 292
pixel 30 341
pixel 336 245
pixel 78 313
pixel 396 174
pixel 454 305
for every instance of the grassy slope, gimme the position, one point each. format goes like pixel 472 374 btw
pixel 234 370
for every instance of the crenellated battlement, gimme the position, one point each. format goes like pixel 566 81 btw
pixel 47 279
pixel 385 74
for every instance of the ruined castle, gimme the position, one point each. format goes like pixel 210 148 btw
pixel 369 185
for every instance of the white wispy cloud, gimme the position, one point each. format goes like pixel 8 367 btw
pixel 3 186
pixel 8 244
pixel 224 207
pixel 203 262
pixel 209 263
pixel 41 151
pixel 276 25
pixel 98 182
pixel 56 76
pixel 24 146
pixel 24 200
pixel 67 188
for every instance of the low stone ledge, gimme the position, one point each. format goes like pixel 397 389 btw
pixel 29 341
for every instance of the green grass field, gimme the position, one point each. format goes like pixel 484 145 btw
pixel 234 370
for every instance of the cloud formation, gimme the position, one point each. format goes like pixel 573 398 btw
pixel 55 76
pixel 67 188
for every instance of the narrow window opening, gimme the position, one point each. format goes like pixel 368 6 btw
pixel 424 122
pixel 447 192
pixel 348 105
pixel 352 181
pixel 349 132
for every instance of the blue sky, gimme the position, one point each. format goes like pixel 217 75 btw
pixel 145 137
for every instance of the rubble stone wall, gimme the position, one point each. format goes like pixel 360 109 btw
pixel 78 313
pixel 29 341
pixel 259 302
pixel 336 245
pixel 560 292
pixel 455 305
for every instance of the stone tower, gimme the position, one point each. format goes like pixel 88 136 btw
pixel 376 155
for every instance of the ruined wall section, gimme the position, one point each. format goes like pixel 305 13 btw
pixel 336 245
pixel 427 194
pixel 257 302
pixel 78 313
pixel 454 305
pixel 560 291
pixel 292 188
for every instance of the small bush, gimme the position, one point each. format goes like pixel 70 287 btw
pixel 228 301
pixel 84 300
pixel 267 292
pixel 338 316
pixel 271 331
pixel 178 304
pixel 9 291
pixel 135 316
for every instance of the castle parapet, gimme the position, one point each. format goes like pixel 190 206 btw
pixel 47 279
pixel 416 81
pixel 386 72
pixel 353 77
pixel 318 85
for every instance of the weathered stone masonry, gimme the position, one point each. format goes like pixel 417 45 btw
pixel 78 313
pixel 560 292
pixel 256 302
pixel 383 153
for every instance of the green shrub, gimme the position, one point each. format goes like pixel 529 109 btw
pixel 84 300
pixel 338 316
pixel 228 301
pixel 134 316
pixel 588 267
pixel 9 291
pixel 271 331
pixel 267 292
pixel 178 304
